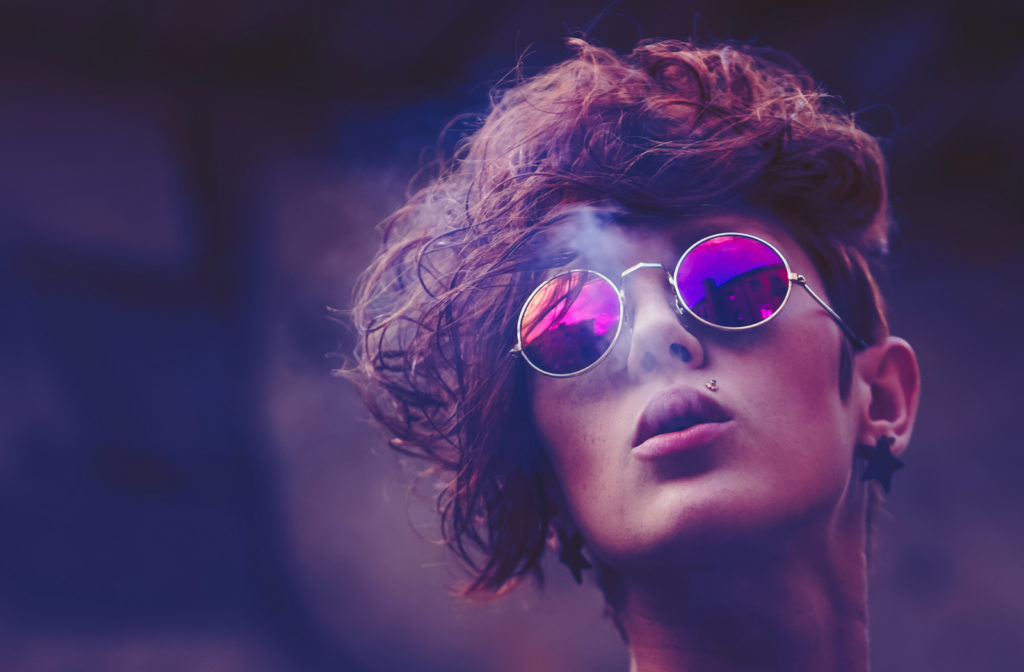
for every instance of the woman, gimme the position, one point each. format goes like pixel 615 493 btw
pixel 634 319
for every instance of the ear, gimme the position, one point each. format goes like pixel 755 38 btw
pixel 889 375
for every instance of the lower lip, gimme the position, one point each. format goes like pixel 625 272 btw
pixel 664 445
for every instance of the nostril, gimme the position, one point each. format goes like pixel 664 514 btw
pixel 680 352
pixel 648 362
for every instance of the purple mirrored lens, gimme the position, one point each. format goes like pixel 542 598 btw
pixel 570 322
pixel 732 281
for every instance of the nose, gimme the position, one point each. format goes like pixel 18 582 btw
pixel 659 341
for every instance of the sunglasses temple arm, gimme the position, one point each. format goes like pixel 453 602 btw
pixel 858 342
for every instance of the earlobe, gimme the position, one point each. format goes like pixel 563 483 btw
pixel 892 382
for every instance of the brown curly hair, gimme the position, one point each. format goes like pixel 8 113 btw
pixel 670 130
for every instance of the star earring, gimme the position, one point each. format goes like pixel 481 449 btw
pixel 881 463
pixel 571 554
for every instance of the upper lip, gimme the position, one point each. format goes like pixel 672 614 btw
pixel 675 410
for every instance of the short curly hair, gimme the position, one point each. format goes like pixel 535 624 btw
pixel 670 130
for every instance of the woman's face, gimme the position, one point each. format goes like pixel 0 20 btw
pixel 769 449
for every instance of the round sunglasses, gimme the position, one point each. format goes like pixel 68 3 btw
pixel 729 281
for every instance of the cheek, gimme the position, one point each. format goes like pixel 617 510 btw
pixel 586 434
pixel 569 417
pixel 813 373
pixel 789 388
pixel 811 418
pixel 572 411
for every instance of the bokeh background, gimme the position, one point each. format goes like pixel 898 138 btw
pixel 186 186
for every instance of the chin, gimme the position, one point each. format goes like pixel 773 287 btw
pixel 728 524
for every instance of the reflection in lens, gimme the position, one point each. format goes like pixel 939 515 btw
pixel 570 322
pixel 732 281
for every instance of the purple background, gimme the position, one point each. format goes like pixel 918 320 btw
pixel 184 188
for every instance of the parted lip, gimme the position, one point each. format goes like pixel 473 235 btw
pixel 675 410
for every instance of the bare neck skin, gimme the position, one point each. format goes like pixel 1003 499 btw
pixel 797 603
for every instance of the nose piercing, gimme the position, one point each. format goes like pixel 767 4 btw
pixel 712 385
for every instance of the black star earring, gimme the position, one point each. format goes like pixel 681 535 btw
pixel 571 554
pixel 881 462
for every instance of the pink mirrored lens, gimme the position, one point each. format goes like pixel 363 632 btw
pixel 733 281
pixel 570 322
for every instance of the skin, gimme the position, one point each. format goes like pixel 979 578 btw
pixel 747 550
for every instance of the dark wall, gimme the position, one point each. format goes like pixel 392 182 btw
pixel 185 187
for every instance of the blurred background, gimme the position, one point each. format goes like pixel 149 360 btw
pixel 186 186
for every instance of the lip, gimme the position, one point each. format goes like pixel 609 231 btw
pixel 662 445
pixel 678 420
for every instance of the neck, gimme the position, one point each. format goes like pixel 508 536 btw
pixel 794 604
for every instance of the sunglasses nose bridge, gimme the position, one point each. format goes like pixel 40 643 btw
pixel 643 264
pixel 627 309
